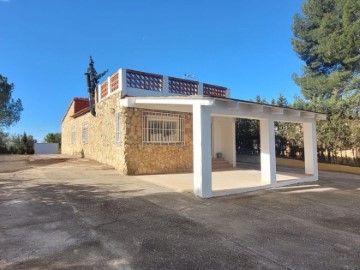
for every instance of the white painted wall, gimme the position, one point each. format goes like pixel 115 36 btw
pixel 46 148
pixel 223 129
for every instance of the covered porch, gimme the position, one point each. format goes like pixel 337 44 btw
pixel 214 132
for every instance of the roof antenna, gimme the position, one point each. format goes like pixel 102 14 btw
pixel 189 76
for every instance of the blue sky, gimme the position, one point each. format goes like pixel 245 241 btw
pixel 45 45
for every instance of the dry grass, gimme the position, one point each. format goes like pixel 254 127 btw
pixel 322 166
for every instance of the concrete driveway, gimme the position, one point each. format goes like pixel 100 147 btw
pixel 58 212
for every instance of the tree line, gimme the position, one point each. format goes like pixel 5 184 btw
pixel 23 144
pixel 327 38
pixel 10 111
pixel 16 144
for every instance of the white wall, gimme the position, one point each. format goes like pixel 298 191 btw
pixel 46 148
pixel 223 129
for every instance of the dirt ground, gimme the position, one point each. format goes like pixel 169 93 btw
pixel 59 212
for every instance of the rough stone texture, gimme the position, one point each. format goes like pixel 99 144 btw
pixel 155 158
pixel 101 144
pixel 131 156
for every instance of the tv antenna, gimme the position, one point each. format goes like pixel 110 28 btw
pixel 189 76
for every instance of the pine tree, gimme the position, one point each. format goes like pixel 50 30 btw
pixel 327 39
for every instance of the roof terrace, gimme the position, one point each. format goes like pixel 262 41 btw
pixel 138 84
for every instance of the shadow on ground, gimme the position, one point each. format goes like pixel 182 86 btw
pixel 84 217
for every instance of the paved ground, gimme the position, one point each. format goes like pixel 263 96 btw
pixel 63 213
pixel 245 176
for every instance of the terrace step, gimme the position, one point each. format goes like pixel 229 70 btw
pixel 220 163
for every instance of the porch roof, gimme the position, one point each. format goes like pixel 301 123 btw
pixel 223 107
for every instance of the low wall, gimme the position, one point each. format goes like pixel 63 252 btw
pixel 46 148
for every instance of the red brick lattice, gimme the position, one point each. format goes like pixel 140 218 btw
pixel 183 87
pixel 214 91
pixel 104 89
pixel 114 82
pixel 142 80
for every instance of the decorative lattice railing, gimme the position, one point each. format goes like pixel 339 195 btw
pixel 183 87
pixel 145 81
pixel 214 91
pixel 132 82
pixel 114 82
pixel 104 89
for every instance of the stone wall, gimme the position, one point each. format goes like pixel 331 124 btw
pixel 155 158
pixel 101 144
pixel 131 156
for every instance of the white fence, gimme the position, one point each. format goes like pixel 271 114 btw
pixel 46 148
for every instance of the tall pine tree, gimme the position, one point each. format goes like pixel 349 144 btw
pixel 327 39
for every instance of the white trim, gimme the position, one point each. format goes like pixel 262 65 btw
pixel 231 108
pixel 227 192
pixel 131 101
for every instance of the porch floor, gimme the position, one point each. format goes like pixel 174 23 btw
pixel 247 177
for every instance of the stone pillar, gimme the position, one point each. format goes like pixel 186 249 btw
pixel 310 149
pixel 202 151
pixel 267 156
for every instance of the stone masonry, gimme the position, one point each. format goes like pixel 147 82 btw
pixel 130 156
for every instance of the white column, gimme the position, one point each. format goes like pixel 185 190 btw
pixel 228 92
pixel 109 85
pixel 122 82
pixel 267 156
pixel 165 88
pixel 202 151
pixel 200 89
pixel 233 128
pixel 310 149
pixel 99 92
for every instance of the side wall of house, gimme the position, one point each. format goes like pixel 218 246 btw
pixel 101 145
pixel 131 156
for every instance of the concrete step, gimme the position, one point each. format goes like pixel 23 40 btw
pixel 220 163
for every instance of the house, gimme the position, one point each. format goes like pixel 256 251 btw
pixel 148 124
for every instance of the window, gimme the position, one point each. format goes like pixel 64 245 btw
pixel 85 132
pixel 73 135
pixel 163 128
pixel 117 128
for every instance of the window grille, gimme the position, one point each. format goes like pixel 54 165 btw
pixel 73 135
pixel 163 128
pixel 118 128
pixel 85 132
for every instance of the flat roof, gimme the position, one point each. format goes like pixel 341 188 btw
pixel 205 97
